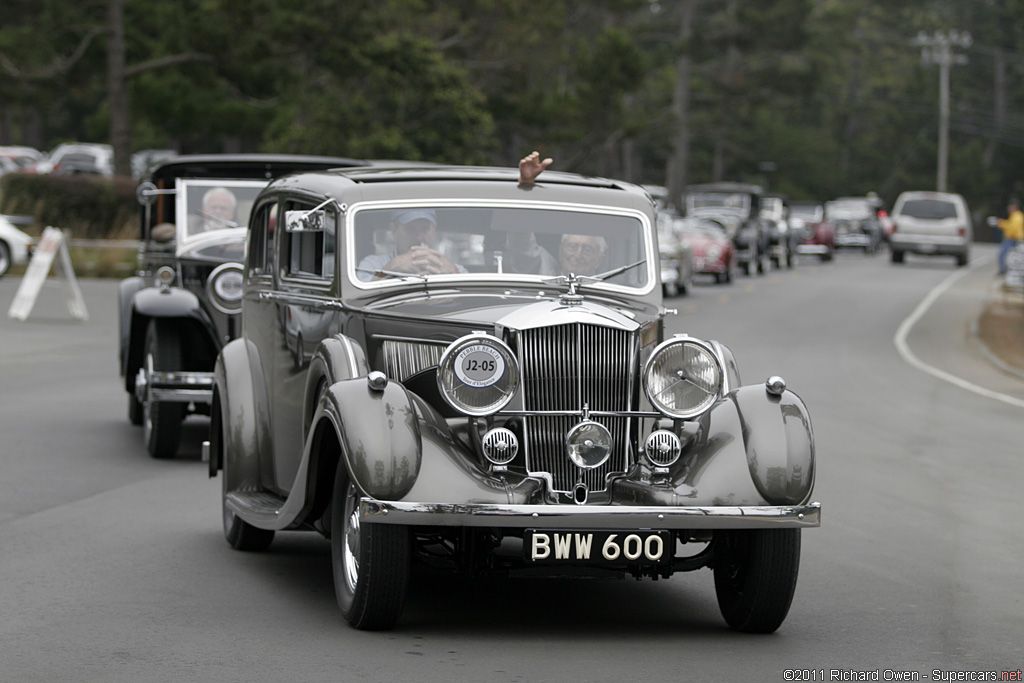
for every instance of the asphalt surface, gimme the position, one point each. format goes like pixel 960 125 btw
pixel 113 566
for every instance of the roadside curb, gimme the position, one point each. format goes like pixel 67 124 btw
pixel 996 293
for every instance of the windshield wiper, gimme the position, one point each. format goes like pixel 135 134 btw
pixel 393 273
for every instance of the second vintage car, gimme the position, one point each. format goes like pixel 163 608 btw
pixel 491 392
pixel 737 206
pixel 182 304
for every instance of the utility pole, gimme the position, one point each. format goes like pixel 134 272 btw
pixel 938 49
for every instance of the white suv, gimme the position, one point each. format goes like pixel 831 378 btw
pixel 931 223
pixel 78 157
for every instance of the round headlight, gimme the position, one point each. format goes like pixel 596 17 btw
pixel 478 375
pixel 713 252
pixel 683 378
pixel 224 287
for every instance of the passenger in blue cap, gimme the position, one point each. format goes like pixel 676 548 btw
pixel 414 231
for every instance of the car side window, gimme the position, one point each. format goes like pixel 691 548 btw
pixel 311 253
pixel 261 240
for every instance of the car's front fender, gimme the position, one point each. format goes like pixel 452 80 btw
pixel 153 302
pixel 235 426
pixel 379 433
pixel 779 443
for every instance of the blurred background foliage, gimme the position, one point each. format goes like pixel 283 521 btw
pixel 814 98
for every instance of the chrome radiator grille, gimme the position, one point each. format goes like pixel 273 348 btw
pixel 403 359
pixel 564 367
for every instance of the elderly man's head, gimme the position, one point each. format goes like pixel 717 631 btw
pixel 219 205
pixel 581 254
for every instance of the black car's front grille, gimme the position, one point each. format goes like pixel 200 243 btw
pixel 563 368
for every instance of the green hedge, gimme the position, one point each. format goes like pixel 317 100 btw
pixel 87 207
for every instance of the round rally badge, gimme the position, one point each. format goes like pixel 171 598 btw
pixel 479 365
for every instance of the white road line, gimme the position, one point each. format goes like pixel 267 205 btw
pixel 900 340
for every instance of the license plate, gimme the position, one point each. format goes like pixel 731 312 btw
pixel 597 546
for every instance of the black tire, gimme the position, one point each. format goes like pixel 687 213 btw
pixel 827 256
pixel 162 420
pixel 897 256
pixel 755 576
pixel 371 562
pixel 5 258
pixel 961 260
pixel 136 413
pixel 748 267
pixel 240 534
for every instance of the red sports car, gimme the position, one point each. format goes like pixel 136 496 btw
pixel 713 252
pixel 819 236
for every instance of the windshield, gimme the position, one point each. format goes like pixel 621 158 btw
pixel 932 209
pixel 849 210
pixel 733 201
pixel 810 213
pixel 212 205
pixel 511 242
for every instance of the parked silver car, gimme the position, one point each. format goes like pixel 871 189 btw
pixel 933 224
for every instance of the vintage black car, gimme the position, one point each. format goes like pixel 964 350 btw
pixel 182 304
pixel 737 206
pixel 856 223
pixel 445 368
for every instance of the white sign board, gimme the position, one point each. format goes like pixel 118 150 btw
pixel 1015 268
pixel 52 246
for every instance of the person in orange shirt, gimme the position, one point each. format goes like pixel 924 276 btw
pixel 1013 232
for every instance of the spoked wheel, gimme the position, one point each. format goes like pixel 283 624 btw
pixel 162 419
pixel 755 576
pixel 371 561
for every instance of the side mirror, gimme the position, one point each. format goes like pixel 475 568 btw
pixel 305 221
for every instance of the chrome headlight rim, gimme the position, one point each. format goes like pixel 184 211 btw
pixel 165 277
pixel 455 374
pixel 226 301
pixel 699 408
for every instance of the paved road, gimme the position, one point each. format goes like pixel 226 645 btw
pixel 113 566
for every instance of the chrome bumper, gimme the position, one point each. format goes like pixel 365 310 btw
pixel 179 387
pixel 590 517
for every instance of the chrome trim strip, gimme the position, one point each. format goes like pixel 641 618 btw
pixel 590 517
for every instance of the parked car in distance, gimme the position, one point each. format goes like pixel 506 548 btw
pixel 15 245
pixel 737 207
pixel 488 419
pixel 932 224
pixel 817 236
pixel 783 241
pixel 713 252
pixel 676 257
pixel 22 156
pixel 182 304
pixel 8 165
pixel 77 158
pixel 855 221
